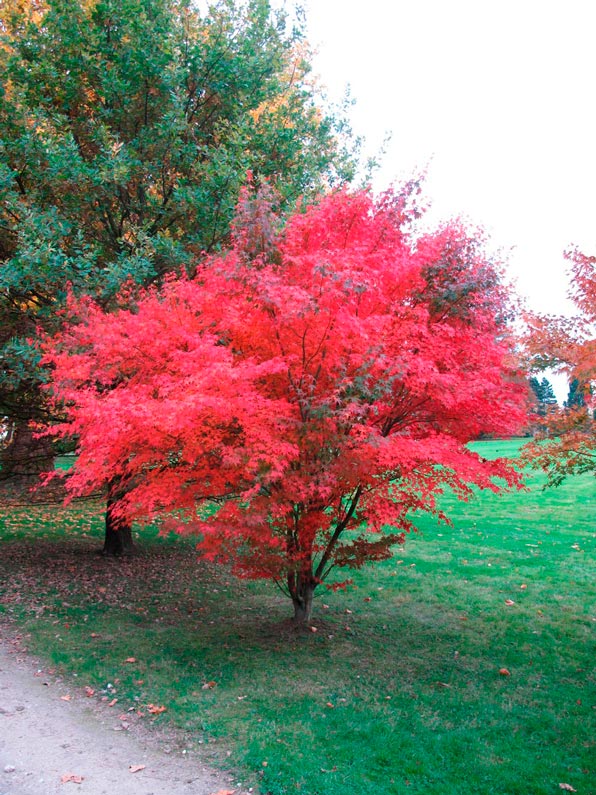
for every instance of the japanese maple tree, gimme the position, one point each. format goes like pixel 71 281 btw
pixel 303 396
pixel 568 443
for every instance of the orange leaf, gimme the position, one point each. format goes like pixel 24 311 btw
pixel 112 702
pixel 224 792
pixel 209 686
pixel 130 660
pixel 504 672
pixel 509 602
pixel 72 777
pixel 154 709
pixel 65 698
pixel 135 768
pixel 89 691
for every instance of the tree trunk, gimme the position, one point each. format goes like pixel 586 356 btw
pixel 25 458
pixel 302 599
pixel 118 537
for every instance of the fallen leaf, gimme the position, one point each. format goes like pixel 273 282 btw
pixel 330 705
pixel 567 787
pixel 224 792
pixel 65 698
pixel 504 672
pixel 154 709
pixel 523 587
pixel 209 686
pixel 112 702
pixel 135 768
pixel 71 777
pixel 130 660
pixel 509 602
pixel 313 629
pixel 89 691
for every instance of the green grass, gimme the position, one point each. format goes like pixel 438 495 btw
pixel 398 690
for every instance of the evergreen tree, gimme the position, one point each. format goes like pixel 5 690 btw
pixel 575 396
pixel 544 393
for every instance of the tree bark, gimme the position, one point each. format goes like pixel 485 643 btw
pixel 118 535
pixel 25 458
pixel 302 599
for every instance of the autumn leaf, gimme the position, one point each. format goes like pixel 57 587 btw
pixel 65 698
pixel 209 685
pixel 504 672
pixel 89 691
pixel 130 660
pixel 567 787
pixel 224 792
pixel 154 709
pixel 71 778
pixel 509 602
pixel 135 768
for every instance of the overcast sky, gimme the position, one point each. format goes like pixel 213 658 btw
pixel 495 98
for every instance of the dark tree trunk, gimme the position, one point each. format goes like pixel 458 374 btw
pixel 302 592
pixel 118 537
pixel 25 458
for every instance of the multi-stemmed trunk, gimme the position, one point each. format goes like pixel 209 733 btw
pixel 302 593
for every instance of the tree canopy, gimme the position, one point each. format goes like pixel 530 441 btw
pixel 297 402
pixel 568 444
pixel 126 131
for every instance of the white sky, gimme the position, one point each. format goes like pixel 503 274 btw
pixel 496 98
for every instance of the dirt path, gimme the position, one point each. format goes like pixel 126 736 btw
pixel 44 738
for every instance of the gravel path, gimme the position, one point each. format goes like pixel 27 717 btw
pixel 51 745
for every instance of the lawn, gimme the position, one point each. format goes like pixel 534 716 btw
pixel 464 665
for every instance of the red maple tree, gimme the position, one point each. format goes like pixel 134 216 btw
pixel 568 344
pixel 301 398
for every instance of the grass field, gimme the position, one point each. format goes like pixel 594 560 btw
pixel 398 691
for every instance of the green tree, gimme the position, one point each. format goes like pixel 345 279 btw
pixel 127 128
pixel 576 395
pixel 544 394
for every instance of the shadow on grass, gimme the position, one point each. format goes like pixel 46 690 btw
pixel 399 688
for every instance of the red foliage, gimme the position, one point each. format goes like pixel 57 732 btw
pixel 568 444
pixel 297 410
